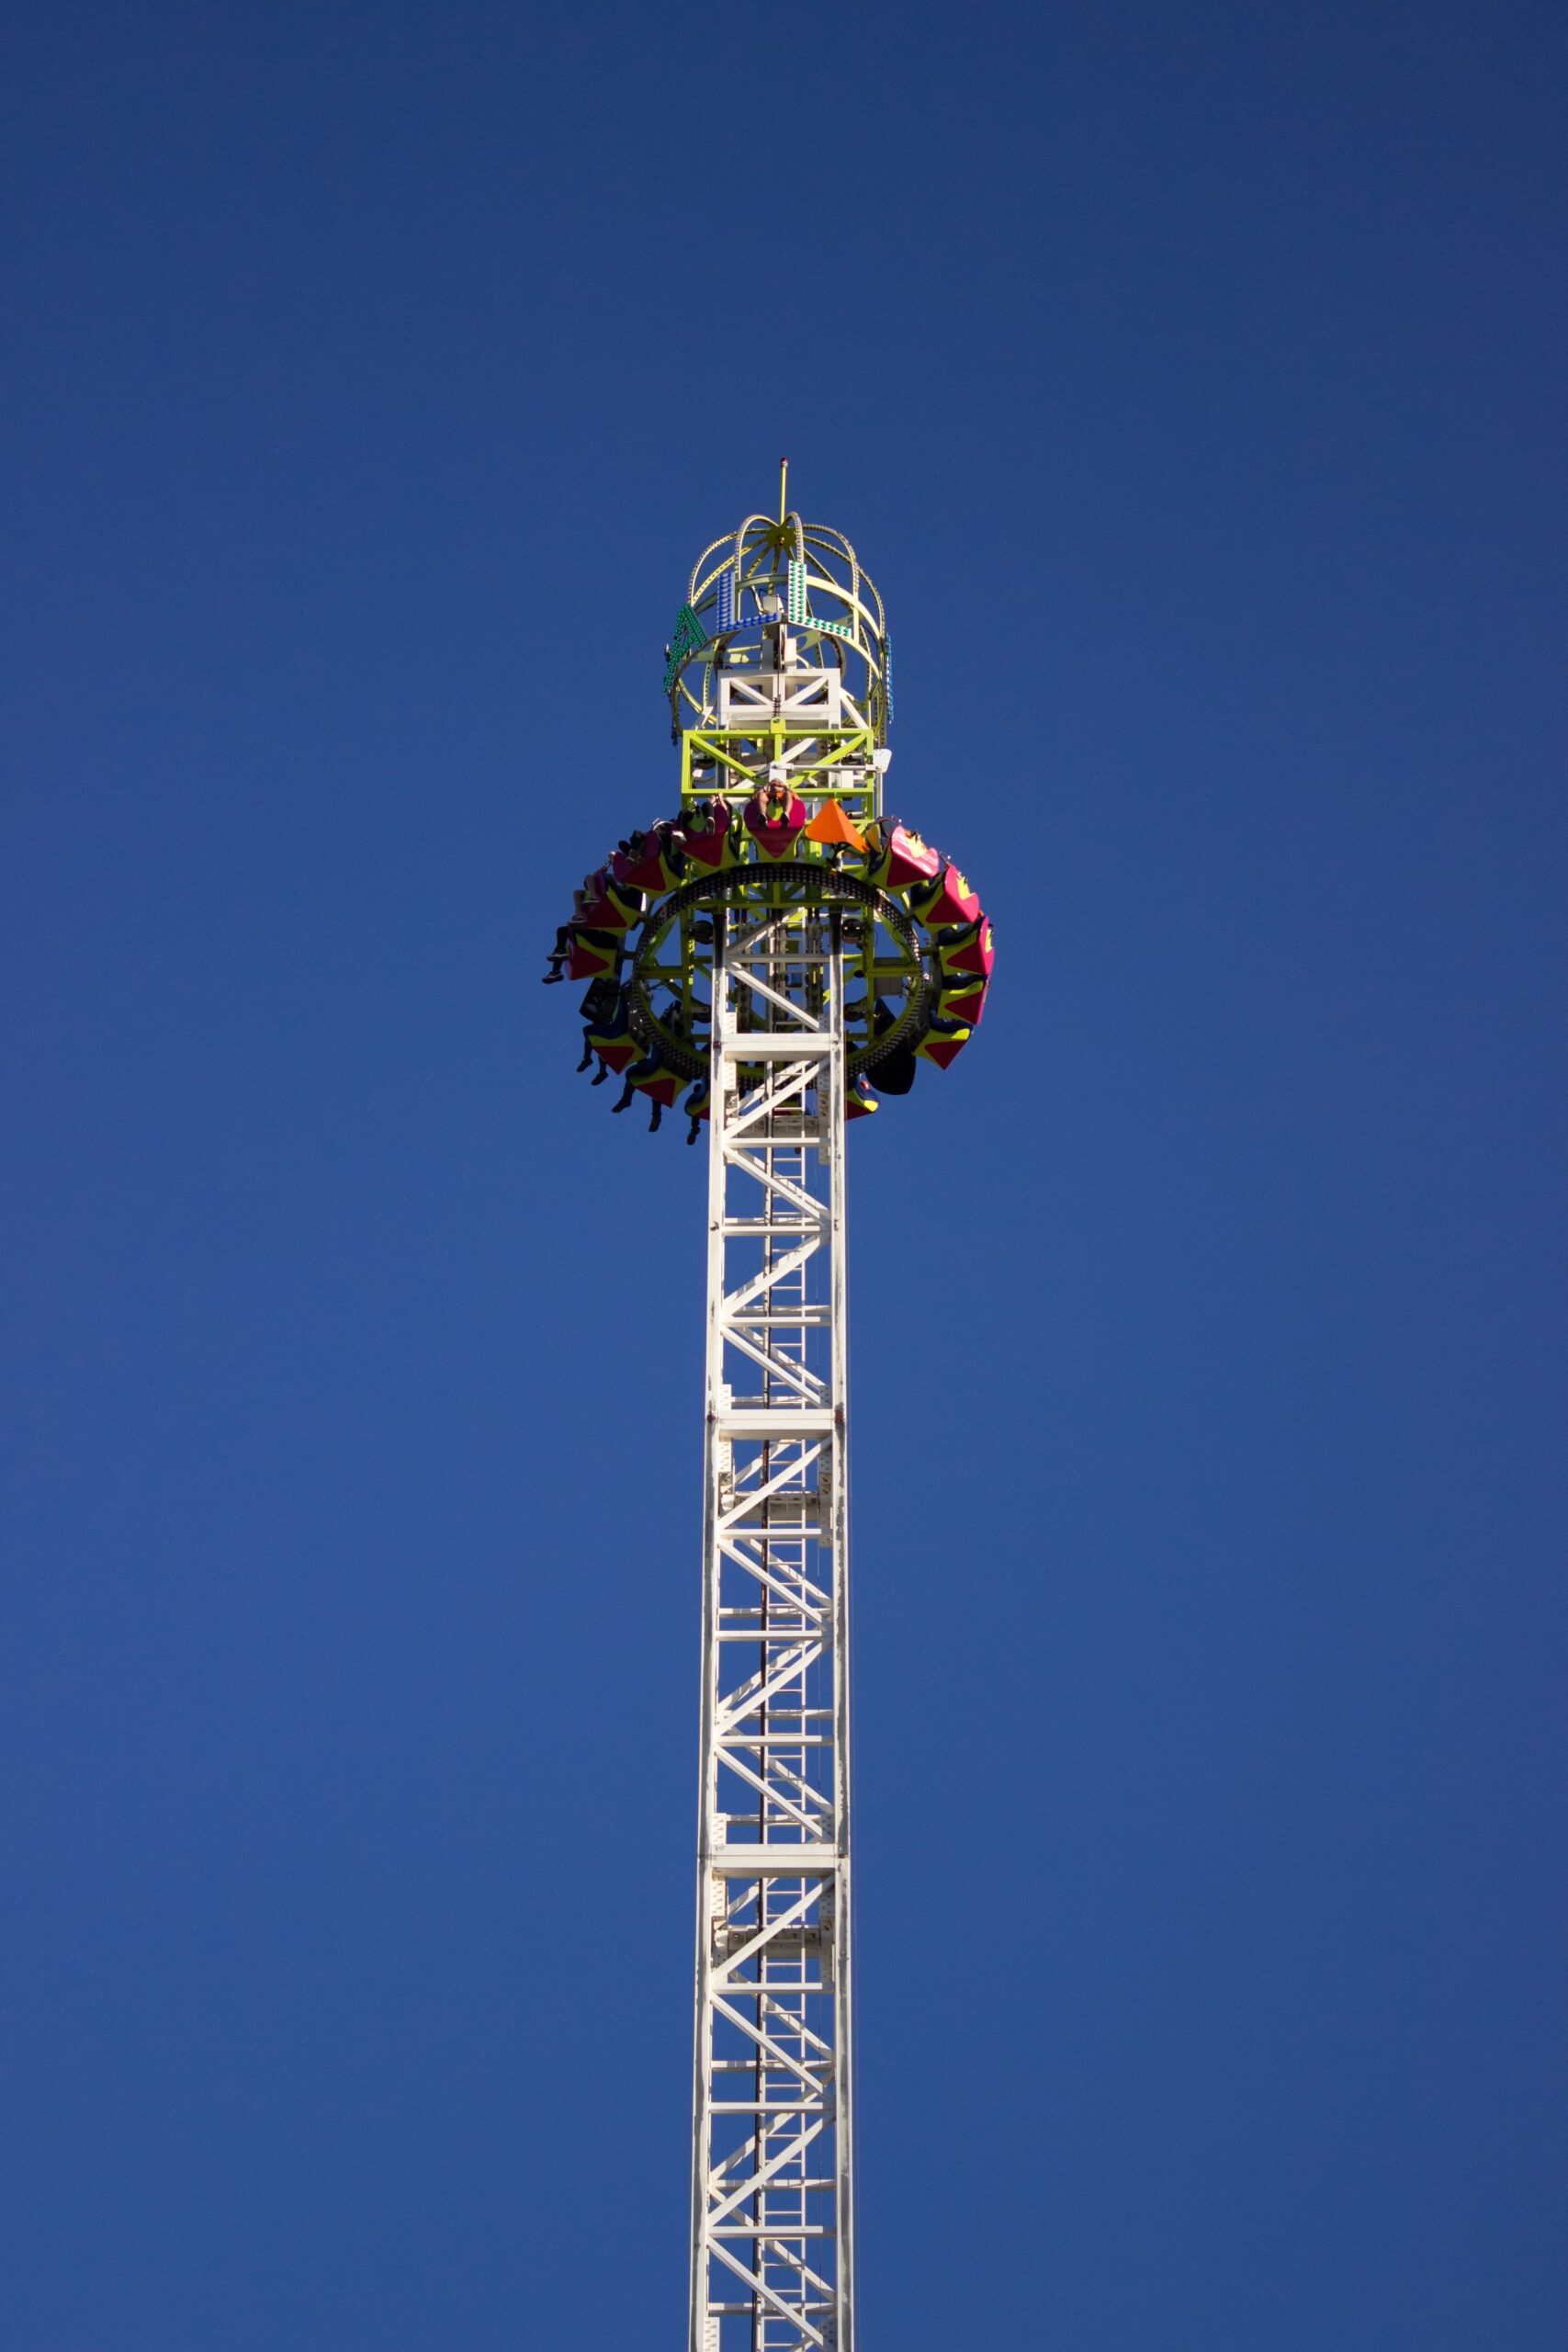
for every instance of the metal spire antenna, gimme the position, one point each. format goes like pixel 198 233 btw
pixel 725 948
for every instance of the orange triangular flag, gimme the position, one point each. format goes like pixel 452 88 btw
pixel 832 828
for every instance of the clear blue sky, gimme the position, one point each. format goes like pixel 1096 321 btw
pixel 1191 380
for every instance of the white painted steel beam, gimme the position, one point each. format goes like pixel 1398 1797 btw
pixel 770 2205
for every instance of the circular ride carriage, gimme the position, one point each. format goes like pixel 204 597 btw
pixel 778 679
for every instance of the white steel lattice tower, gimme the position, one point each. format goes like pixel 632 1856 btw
pixel 771 2220
pixel 791 955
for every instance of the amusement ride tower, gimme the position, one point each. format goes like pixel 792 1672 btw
pixel 783 954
